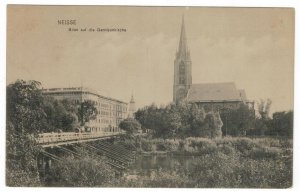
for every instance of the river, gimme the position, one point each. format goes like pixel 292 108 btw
pixel 145 164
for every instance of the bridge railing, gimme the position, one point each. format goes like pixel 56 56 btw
pixel 45 138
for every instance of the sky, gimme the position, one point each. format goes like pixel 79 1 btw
pixel 253 47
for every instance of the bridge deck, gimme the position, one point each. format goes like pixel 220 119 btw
pixel 56 139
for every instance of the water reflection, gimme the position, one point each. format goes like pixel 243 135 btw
pixel 145 164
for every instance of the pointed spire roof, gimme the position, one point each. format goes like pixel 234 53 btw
pixel 132 99
pixel 183 49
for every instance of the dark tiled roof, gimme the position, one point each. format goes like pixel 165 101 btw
pixel 213 92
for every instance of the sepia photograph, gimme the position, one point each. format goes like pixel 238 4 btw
pixel 149 96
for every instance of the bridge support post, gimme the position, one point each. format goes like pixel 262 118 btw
pixel 44 166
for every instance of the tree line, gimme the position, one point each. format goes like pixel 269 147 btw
pixel 187 119
pixel 179 120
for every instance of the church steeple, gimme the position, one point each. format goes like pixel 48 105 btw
pixel 183 51
pixel 182 68
pixel 131 110
pixel 132 99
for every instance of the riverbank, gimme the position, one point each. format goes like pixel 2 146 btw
pixel 267 147
pixel 185 163
pixel 219 163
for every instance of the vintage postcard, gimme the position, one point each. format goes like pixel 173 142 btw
pixel 177 97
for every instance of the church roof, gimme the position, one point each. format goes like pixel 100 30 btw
pixel 242 94
pixel 213 92
pixel 183 51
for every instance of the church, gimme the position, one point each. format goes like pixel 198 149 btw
pixel 210 96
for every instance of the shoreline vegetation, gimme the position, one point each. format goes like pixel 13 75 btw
pixel 237 162
pixel 195 146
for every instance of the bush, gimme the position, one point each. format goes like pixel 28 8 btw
pixel 243 145
pixel 161 146
pixel 216 170
pixel 130 125
pixel 157 179
pixel 265 152
pixel 17 177
pixel 171 145
pixel 203 145
pixel 87 171
pixel 165 179
pixel 268 142
pixel 265 174
pixel 148 146
pixel 220 170
pixel 226 149
pixel 286 143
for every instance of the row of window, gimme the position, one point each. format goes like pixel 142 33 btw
pixel 106 113
pixel 105 106
pixel 109 121
pixel 109 106
pixel 106 121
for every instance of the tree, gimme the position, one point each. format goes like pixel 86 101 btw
pixel 86 112
pixel 196 122
pixel 282 124
pixel 60 114
pixel 130 125
pixel 24 119
pixel 171 122
pixel 150 117
pixel 238 121
pixel 214 123
pixel 264 108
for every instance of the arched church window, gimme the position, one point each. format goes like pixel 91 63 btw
pixel 181 68
pixel 181 80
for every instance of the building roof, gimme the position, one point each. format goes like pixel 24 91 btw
pixel 242 94
pixel 213 92
pixel 78 89
pixel 183 51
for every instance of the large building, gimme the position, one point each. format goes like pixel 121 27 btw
pixel 212 96
pixel 110 112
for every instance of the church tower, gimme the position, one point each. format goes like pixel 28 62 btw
pixel 131 108
pixel 182 68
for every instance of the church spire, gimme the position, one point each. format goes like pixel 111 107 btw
pixel 132 99
pixel 131 110
pixel 182 68
pixel 183 49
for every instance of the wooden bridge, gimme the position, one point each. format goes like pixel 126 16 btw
pixel 66 138
pixel 94 144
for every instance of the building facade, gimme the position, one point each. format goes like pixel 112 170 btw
pixel 210 96
pixel 110 112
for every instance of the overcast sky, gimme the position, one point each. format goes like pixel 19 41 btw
pixel 253 47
